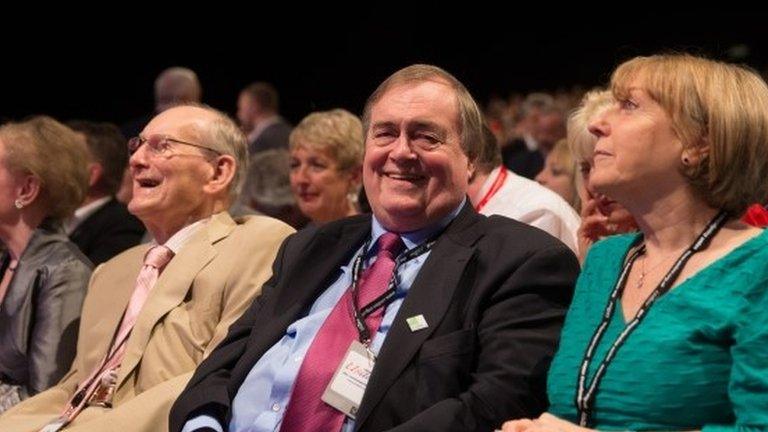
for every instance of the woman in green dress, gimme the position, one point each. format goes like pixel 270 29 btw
pixel 668 329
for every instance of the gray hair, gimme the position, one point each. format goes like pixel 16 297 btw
pixel 222 135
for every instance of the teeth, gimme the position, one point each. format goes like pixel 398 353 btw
pixel 402 176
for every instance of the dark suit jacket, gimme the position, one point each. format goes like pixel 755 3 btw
pixel 493 291
pixel 521 161
pixel 107 232
pixel 275 136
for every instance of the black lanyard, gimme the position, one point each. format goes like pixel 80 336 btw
pixel 585 396
pixel 389 295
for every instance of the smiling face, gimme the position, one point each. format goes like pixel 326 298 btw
pixel 319 186
pixel 414 170
pixel 169 189
pixel 637 150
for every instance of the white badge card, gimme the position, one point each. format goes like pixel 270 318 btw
pixel 346 389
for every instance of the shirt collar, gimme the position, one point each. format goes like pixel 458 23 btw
pixel 415 238
pixel 84 212
pixel 178 240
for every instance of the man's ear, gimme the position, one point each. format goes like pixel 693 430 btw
pixel 224 168
pixel 95 172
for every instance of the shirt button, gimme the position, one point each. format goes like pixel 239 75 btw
pixel 275 407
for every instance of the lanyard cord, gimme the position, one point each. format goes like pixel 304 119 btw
pixel 585 395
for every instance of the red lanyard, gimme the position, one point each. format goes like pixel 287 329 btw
pixel 494 188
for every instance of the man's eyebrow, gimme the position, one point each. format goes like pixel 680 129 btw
pixel 383 125
pixel 425 124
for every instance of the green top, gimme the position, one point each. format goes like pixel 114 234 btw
pixel 698 359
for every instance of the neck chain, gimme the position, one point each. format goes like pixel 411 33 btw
pixel 644 272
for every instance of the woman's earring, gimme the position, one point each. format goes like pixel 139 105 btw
pixel 352 197
pixel 18 204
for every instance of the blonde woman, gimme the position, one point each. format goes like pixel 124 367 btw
pixel 668 329
pixel 43 178
pixel 325 166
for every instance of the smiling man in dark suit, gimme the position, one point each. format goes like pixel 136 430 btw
pixel 424 316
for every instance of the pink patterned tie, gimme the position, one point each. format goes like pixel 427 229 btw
pixel 306 411
pixel 154 261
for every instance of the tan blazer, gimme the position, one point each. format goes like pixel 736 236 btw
pixel 200 293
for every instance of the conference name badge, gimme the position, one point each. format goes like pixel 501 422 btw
pixel 346 389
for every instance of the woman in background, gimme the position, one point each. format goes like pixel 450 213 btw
pixel 325 167
pixel 559 174
pixel 600 215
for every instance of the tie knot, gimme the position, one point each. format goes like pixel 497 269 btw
pixel 390 244
pixel 158 257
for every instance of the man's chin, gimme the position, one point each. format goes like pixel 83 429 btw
pixel 138 208
pixel 402 218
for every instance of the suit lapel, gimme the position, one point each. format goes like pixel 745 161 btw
pixel 430 295
pixel 315 272
pixel 323 257
pixel 108 308
pixel 172 287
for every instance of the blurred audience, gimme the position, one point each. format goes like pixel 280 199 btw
pixel 267 187
pixel 258 111
pixel 756 215
pixel 493 189
pixel 541 125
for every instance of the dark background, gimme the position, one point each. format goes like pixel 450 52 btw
pixel 103 67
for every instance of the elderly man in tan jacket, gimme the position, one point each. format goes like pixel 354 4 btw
pixel 147 322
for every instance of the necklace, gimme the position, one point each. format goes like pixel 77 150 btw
pixel 644 272
pixel 586 391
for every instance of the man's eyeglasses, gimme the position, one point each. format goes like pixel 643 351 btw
pixel 160 145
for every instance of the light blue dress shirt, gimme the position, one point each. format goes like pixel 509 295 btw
pixel 261 401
